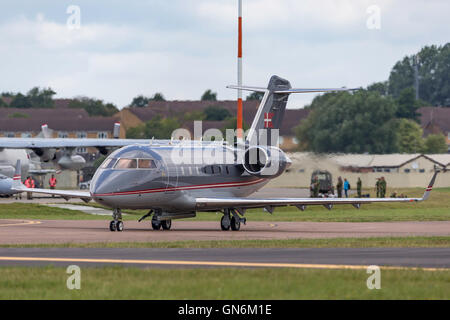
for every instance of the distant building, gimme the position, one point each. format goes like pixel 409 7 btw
pixel 435 120
pixel 400 170
pixel 64 123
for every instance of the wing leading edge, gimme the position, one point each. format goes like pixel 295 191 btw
pixel 301 203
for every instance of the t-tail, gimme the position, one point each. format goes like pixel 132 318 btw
pixel 270 112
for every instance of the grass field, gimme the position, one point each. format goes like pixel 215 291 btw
pixel 437 208
pixel 102 283
pixel 382 242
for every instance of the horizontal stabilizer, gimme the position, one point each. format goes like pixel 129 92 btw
pixel 247 88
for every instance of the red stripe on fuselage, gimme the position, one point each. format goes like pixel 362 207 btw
pixel 194 187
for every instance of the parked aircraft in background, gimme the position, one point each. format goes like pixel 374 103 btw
pixel 214 177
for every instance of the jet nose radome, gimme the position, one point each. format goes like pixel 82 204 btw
pixel 5 185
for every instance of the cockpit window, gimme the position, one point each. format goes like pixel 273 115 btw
pixel 108 163
pixel 147 164
pixel 126 164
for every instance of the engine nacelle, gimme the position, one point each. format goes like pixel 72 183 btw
pixel 265 161
pixel 74 162
pixel 46 154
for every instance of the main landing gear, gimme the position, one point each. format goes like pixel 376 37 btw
pixel 116 224
pixel 232 221
pixel 157 223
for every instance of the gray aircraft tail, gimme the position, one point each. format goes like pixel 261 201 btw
pixel 270 113
pixel 17 182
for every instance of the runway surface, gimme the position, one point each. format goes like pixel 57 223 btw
pixel 87 231
pixel 329 258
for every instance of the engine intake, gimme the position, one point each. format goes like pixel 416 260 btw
pixel 265 161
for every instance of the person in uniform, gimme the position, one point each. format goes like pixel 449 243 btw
pixel 382 187
pixel 377 187
pixel 315 188
pixel 339 187
pixel 359 187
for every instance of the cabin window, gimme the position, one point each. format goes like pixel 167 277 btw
pixel 126 164
pixel 407 170
pixel 147 164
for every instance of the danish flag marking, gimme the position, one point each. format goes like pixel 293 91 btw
pixel 268 120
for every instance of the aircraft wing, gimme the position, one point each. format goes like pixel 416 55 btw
pixel 66 194
pixel 33 143
pixel 300 203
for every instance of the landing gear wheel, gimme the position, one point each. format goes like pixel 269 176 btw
pixel 166 224
pixel 225 224
pixel 112 226
pixel 235 224
pixel 156 225
pixel 119 226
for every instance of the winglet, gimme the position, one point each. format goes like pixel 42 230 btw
pixel 426 195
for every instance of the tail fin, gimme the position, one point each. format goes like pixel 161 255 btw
pixel 46 131
pixel 427 192
pixel 270 113
pixel 17 182
pixel 116 130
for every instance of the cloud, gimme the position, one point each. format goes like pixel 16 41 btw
pixel 183 47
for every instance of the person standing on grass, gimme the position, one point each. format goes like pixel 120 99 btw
pixel 359 187
pixel 346 187
pixel 339 187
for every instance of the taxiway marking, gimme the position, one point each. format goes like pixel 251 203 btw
pixel 26 222
pixel 216 263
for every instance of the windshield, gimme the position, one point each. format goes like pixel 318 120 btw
pixel 126 164
pixel 108 163
pixel 147 164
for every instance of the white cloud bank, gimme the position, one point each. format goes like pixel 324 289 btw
pixel 311 43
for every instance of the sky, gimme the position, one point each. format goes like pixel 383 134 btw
pixel 121 49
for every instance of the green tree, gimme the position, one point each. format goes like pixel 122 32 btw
pixel 158 97
pixel 409 136
pixel 158 127
pixel 351 123
pixel 215 113
pixel 380 87
pixel 94 107
pixel 433 64
pixel 20 101
pixel 41 98
pixel 255 96
pixel 140 102
pixel 3 104
pixel 407 104
pixel 435 143
pixel 209 96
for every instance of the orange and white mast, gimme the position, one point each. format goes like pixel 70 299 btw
pixel 239 100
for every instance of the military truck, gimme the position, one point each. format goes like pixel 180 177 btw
pixel 326 188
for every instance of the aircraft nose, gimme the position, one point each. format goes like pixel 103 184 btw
pixel 5 186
